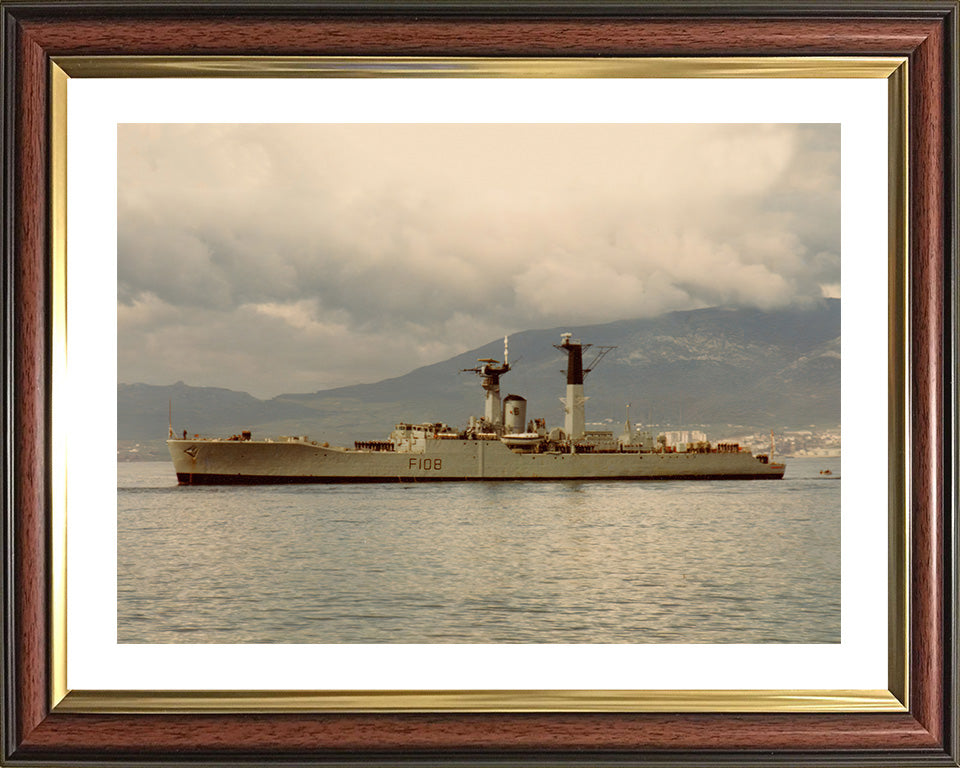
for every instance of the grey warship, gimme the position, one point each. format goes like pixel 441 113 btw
pixel 500 445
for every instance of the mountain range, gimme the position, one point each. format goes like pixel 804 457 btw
pixel 720 368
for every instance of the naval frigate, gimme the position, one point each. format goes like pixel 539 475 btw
pixel 500 445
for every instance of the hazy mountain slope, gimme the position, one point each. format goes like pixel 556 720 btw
pixel 711 366
pixel 142 409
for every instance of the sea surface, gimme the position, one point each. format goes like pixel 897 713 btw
pixel 568 562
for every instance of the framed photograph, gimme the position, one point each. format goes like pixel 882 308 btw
pixel 353 266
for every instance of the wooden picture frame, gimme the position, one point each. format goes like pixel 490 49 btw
pixel 36 731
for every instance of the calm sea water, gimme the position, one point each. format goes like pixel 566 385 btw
pixel 569 562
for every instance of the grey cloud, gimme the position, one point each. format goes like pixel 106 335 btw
pixel 343 236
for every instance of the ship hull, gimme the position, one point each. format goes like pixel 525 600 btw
pixel 226 462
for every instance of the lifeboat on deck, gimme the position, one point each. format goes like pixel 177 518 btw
pixel 522 441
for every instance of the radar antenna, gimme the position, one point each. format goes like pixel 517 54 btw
pixel 602 352
pixel 490 371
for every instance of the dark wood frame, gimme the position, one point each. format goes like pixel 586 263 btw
pixel 925 32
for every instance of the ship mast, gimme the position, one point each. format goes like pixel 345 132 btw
pixel 490 371
pixel 574 423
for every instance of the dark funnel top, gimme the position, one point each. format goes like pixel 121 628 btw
pixel 574 361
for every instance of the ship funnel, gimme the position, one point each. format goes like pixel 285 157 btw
pixel 575 421
pixel 574 416
pixel 514 414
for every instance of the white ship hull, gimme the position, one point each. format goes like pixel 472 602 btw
pixel 205 461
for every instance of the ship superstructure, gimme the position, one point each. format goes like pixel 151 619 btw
pixel 490 371
pixel 500 445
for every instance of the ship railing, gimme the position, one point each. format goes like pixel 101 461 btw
pixel 374 445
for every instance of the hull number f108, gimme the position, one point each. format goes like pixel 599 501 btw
pixel 425 464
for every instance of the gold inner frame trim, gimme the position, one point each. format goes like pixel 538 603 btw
pixel 893 69
pixel 58 366
pixel 898 383
pixel 129 702
pixel 430 66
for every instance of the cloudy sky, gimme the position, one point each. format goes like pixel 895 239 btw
pixel 294 258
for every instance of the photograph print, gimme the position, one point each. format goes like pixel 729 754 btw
pixel 478 383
